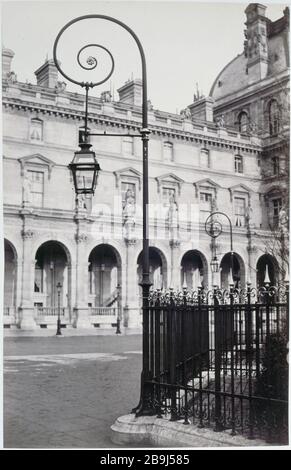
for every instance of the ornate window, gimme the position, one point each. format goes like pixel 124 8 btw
pixel 243 122
pixel 167 195
pixel 127 145
pixel 206 198
pixel 125 187
pixel 204 158
pixel 238 164
pixel 273 117
pixel 275 165
pixel 36 130
pixel 276 207
pixel 168 152
pixel 239 211
pixel 36 179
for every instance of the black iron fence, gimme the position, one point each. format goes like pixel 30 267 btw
pixel 219 359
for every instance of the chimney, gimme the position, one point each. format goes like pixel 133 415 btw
pixel 256 44
pixel 7 56
pixel 202 109
pixel 131 92
pixel 47 75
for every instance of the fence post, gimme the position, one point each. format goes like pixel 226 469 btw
pixel 201 340
pixel 217 356
pixel 184 346
pixel 173 357
pixel 249 357
pixel 158 353
pixel 232 313
pixel 267 301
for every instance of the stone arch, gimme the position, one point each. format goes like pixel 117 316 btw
pixel 194 269
pixel 158 267
pixel 104 275
pixel 52 266
pixel 267 261
pixel 38 241
pixel 239 270
pixel 10 276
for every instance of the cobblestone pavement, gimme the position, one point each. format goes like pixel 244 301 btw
pixel 66 392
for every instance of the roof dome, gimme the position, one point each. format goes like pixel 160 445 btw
pixel 232 78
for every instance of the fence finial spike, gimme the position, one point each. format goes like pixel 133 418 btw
pixel 267 277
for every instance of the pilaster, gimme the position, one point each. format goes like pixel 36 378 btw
pixel 131 311
pixel 27 321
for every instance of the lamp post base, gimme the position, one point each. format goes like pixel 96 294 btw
pixel 118 330
pixel 59 331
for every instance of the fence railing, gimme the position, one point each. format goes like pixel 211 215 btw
pixel 110 311
pixel 219 359
pixel 49 311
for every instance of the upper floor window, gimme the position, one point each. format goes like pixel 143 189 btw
pixel 204 158
pixel 169 194
pixel 243 122
pixel 127 189
pixel 238 164
pixel 275 165
pixel 36 187
pixel 239 211
pixel 128 145
pixel 168 152
pixel 36 130
pixel 206 200
pixel 273 117
pixel 277 206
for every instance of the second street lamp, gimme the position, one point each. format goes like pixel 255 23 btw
pixel 59 326
pixel 213 228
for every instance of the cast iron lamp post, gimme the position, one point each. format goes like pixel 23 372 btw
pixel 87 167
pixel 118 330
pixel 59 331
pixel 213 228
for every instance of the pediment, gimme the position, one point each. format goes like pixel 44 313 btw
pixel 169 178
pixel 206 182
pixel 242 188
pixel 127 172
pixel 37 160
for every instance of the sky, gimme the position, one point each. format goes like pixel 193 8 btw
pixel 185 43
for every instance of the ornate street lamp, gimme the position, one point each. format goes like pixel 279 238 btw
pixel 214 265
pixel 59 330
pixel 85 169
pixel 79 174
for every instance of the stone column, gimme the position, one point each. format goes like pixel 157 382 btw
pixel 27 321
pixel 175 269
pixel 81 309
pixel 251 271
pixel 65 286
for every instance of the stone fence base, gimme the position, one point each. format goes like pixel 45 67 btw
pixel 129 431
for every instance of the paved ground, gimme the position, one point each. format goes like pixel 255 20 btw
pixel 66 392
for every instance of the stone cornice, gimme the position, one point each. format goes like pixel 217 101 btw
pixel 198 134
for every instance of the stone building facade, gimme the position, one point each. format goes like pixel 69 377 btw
pixel 226 152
